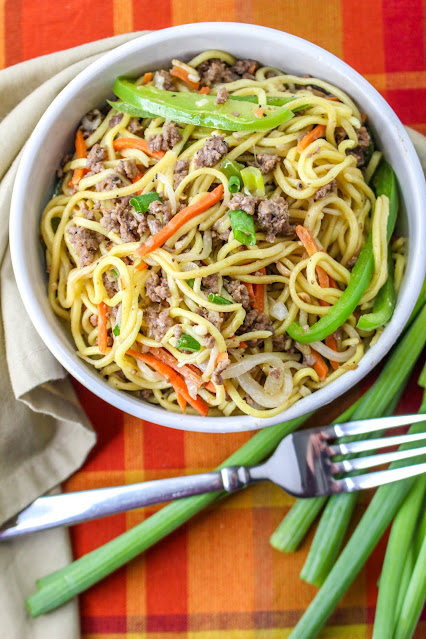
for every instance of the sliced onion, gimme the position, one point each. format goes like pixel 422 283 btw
pixel 273 384
pixel 192 388
pixel 333 356
pixel 278 310
pixel 169 190
pixel 150 375
pixel 259 395
pixel 244 365
pixel 92 125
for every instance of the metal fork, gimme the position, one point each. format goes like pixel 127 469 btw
pixel 303 464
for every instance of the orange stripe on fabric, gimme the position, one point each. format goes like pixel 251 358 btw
pixel 397 80
pixel 12 32
pixel 317 21
pixel 2 34
pixel 66 24
pixel 183 12
pixel 122 16
pixel 363 35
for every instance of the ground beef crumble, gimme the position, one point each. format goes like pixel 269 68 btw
pixel 85 242
pixel 246 203
pixel 255 321
pixel 211 284
pixel 157 288
pixel 212 151
pixel 325 190
pixel 238 292
pixel 163 80
pixel 123 219
pixel 266 162
pixel 167 139
pixel 221 96
pixel 95 159
pixel 220 367
pixel 135 126
pixel 159 322
pixel 273 218
pixel 180 172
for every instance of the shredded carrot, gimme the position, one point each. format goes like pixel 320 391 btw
pixel 81 152
pixel 204 91
pixel 317 132
pixel 102 327
pixel 252 69
pixel 171 376
pixel 249 287
pixel 221 357
pixel 330 341
pixel 141 266
pixel 180 219
pixel 210 387
pixel 259 294
pixel 137 176
pixel 137 143
pixel 320 366
pixel 312 247
pixel 259 113
pixel 181 401
pixel 188 371
pixel 147 77
pixel 180 73
pixel 333 98
pixel 363 118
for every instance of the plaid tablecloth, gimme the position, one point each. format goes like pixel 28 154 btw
pixel 218 577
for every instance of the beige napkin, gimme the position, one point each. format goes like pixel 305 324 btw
pixel 44 434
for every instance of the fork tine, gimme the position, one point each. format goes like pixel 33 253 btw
pixel 373 444
pixel 361 463
pixel 362 426
pixel 371 480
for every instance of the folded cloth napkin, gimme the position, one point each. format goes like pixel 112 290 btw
pixel 44 434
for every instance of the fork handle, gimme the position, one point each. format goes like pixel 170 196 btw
pixel 73 508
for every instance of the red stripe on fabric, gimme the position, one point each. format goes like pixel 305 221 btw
pixel 65 25
pixel 166 577
pixel 109 596
pixel 163 447
pixel 106 624
pixel 108 424
pixel 12 32
pixel 403 35
pixel 363 39
pixel 152 15
pixel 409 104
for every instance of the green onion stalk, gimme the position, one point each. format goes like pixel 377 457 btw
pixel 376 401
pixel 382 509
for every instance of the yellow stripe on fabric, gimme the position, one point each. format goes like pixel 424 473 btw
pixel 122 16
pixel 184 12
pixel 397 80
pixel 315 20
pixel 2 34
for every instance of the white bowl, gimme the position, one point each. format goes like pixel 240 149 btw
pixel 54 135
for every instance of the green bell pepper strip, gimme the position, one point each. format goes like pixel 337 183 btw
pixel 384 304
pixel 124 107
pixel 234 184
pixel 218 299
pixel 201 110
pixel 141 202
pixel 243 227
pixel 385 184
pixel 274 100
pixel 187 343
pixel 253 181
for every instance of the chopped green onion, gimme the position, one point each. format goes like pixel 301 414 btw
pixel 187 343
pixel 141 202
pixel 231 167
pixel 191 282
pixel 116 330
pixel 253 181
pixel 115 273
pixel 58 189
pixel 243 227
pixel 218 299
pixel 234 184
